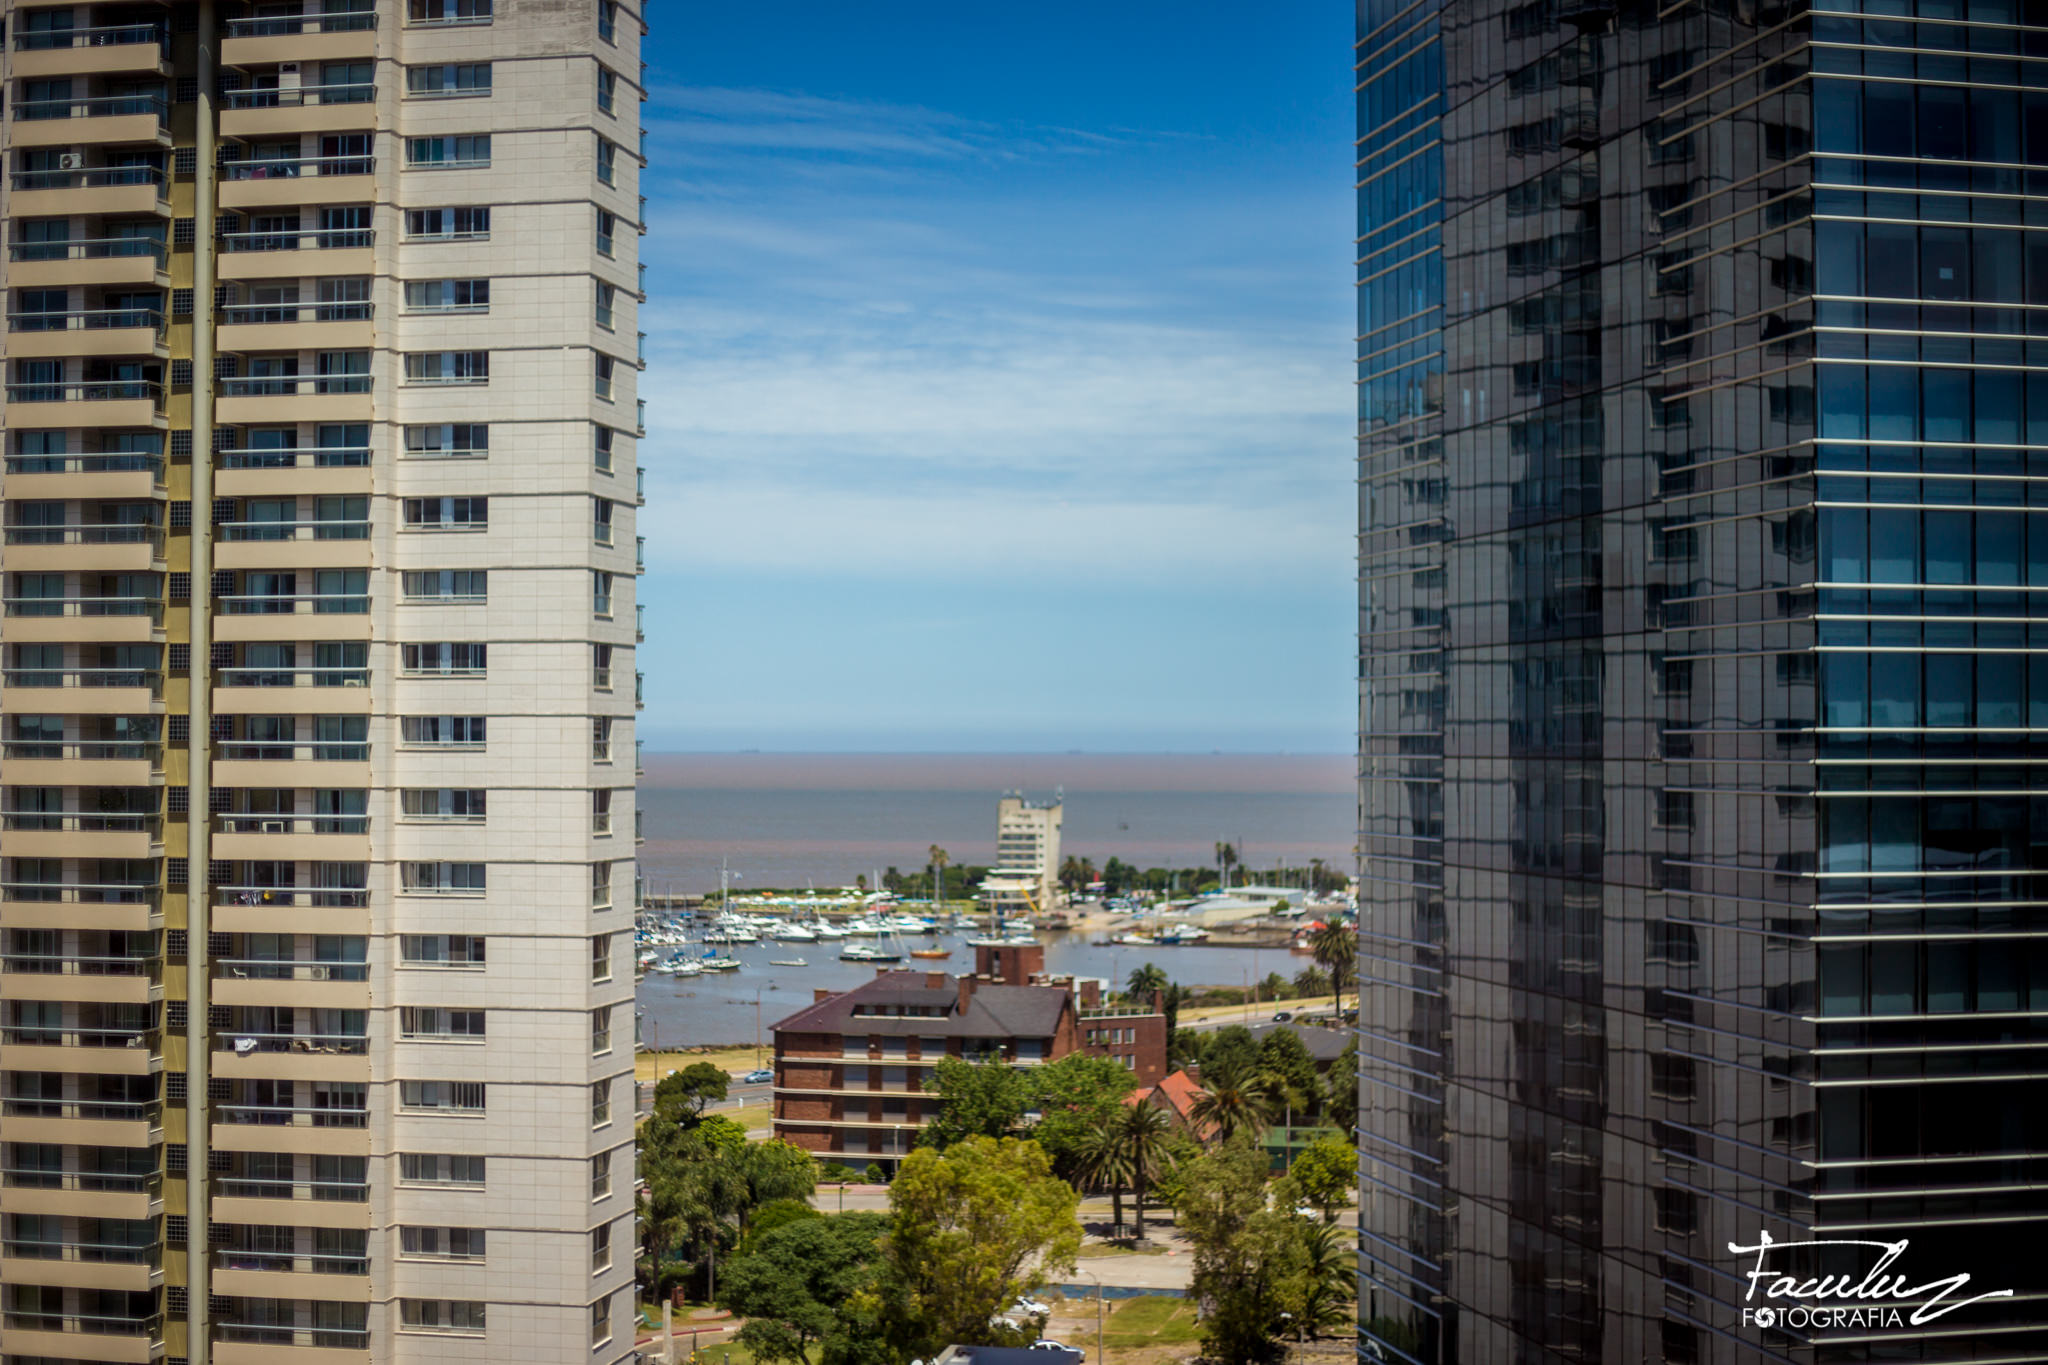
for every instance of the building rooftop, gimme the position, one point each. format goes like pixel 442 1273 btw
pixel 905 1003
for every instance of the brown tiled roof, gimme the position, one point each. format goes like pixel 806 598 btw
pixel 992 1011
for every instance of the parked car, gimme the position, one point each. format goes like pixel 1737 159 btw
pixel 1048 1344
pixel 1030 1308
pixel 1282 1016
pixel 757 1076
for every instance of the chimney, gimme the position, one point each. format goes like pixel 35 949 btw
pixel 882 971
pixel 819 994
pixel 966 991
pixel 935 981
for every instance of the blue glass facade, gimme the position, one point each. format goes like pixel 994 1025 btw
pixel 1703 758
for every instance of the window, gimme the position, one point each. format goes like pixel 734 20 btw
pixel 442 950
pixel 452 731
pixel 448 441
pixel 600 593
pixel 454 1097
pixel 447 1244
pixel 607 90
pixel 455 80
pixel 439 1168
pixel 601 449
pixel 601 957
pixel 424 1021
pixel 448 296
pixel 601 1248
pixel 600 886
pixel 603 384
pixel 606 294
pixel 448 225
pixel 455 1316
pixel 448 11
pixel 443 879
pixel 447 514
pixel 608 20
pixel 600 1104
pixel 601 1321
pixel 600 739
pixel 607 161
pixel 454 804
pixel 601 1031
pixel 601 812
pixel 449 659
pixel 601 520
pixel 459 151
pixel 448 367
pixel 601 667
pixel 601 1176
pixel 446 585
pixel 607 227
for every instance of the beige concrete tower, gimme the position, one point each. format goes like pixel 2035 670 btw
pixel 316 724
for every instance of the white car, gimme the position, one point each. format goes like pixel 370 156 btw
pixel 1048 1344
pixel 1030 1308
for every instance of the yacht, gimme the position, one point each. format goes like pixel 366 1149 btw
pixel 861 952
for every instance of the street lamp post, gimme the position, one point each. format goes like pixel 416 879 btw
pixel 1098 1313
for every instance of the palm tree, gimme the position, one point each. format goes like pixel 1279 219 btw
pixel 1129 1147
pixel 1335 949
pixel 1070 874
pixel 1145 980
pixel 1226 857
pixel 1328 1273
pixel 938 858
pixel 1106 1161
pixel 1230 1110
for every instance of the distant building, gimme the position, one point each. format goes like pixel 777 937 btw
pixel 1025 879
pixel 850 1067
pixel 1176 1095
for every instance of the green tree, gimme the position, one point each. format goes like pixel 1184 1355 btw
pixel 1275 987
pixel 1246 1257
pixel 971 1229
pixel 1340 1090
pixel 1311 981
pixel 976 1099
pixel 1185 1047
pixel 1327 1288
pixel 792 1286
pixel 1229 1057
pixel 938 858
pixel 1284 1061
pixel 695 1192
pixel 767 1217
pixel 1226 858
pixel 1325 1174
pixel 683 1096
pixel 1335 948
pixel 777 1171
pixel 1242 1111
pixel 1144 981
pixel 1073 1096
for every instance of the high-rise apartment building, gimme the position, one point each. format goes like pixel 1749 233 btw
pixel 1704 676
pixel 1025 879
pixel 316 1013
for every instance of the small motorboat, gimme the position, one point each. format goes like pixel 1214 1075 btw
pixel 931 954
pixel 786 962
pixel 720 964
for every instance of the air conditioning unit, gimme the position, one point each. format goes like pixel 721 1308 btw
pixel 70 161
pixel 277 826
pixel 287 77
pixel 316 973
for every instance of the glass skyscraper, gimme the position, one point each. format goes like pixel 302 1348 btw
pixel 1703 759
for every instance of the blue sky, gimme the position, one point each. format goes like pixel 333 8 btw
pixel 999 393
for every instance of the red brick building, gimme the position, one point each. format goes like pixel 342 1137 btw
pixel 850 1068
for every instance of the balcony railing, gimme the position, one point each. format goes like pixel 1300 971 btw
pixel 244 315
pixel 286 750
pixel 79 893
pixel 151 607
pixel 269 386
pixel 298 457
pixel 91 320
pixel 324 1191
pixel 317 897
pixel 294 604
pixel 112 35
pixel 118 1182
pixel 329 528
pixel 86 750
pixel 271 969
pixel 230 1258
pixel 108 106
pixel 96 533
pixel 89 1324
pixel 278 26
pixel 242 1044
pixel 291 1116
pixel 90 249
pixel 79 821
pixel 105 1253
pixel 75 964
pixel 79 1037
pixel 328 1338
pixel 103 1110
pixel 118 462
pixel 315 239
pixel 85 677
pixel 292 677
pixel 93 178
pixel 293 167
pixel 305 96
pixel 99 391
pixel 292 824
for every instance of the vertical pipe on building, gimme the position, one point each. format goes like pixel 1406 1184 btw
pixel 199 805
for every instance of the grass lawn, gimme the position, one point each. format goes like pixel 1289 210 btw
pixel 652 1066
pixel 1151 1321
pixel 757 1119
pixel 1262 1012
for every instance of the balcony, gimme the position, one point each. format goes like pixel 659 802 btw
pixel 120 475
pixel 114 49
pixel 91 404
pixel 48 763
pixel 77 122
pixel 93 261
pixel 88 190
pixel 80 1264
pixel 299 546
pixel 78 1194
pixel 84 619
pixel 290 764
pixel 98 547
pixel 249 1344
pixel 93 332
pixel 293 398
pixel 296 327
pixel 293 838
pixel 80 834
pixel 80 691
pixel 281 616
pixel 94 1051
pixel 301 469
pixel 87 1123
pixel 103 981
pixel 297 180
pixel 82 1336
pixel 266 255
pixel 265 41
pixel 307 109
pixel 294 1203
